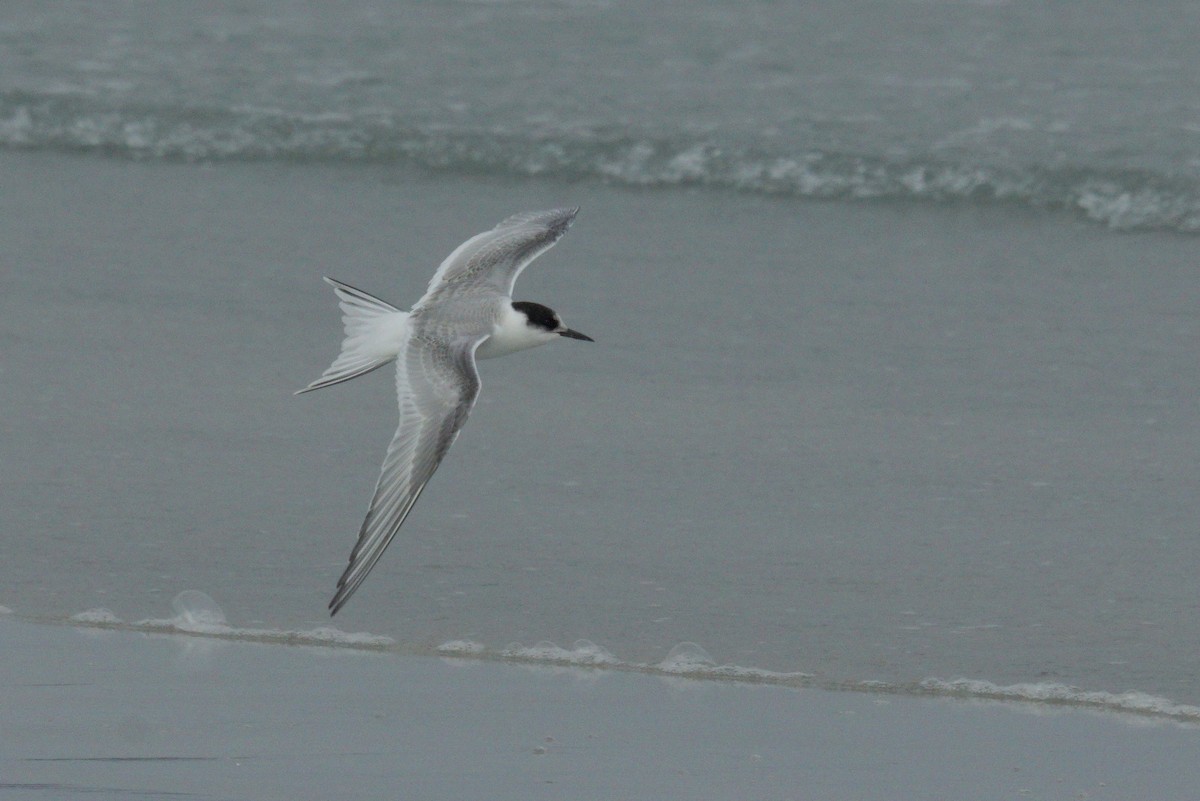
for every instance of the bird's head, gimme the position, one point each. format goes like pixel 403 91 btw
pixel 543 319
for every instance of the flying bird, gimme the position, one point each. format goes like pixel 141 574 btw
pixel 466 314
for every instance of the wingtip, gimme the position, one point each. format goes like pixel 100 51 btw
pixel 565 220
pixel 341 595
pixel 336 602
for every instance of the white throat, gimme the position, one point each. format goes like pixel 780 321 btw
pixel 511 334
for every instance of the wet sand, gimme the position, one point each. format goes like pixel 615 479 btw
pixel 93 713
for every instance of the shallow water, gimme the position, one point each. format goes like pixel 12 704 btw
pixel 925 436
pixel 918 454
pixel 116 714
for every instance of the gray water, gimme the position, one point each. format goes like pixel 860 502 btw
pixel 1090 107
pixel 944 425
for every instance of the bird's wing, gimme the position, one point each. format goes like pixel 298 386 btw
pixel 437 384
pixel 492 260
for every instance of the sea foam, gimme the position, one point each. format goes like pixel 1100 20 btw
pixel 1061 694
pixel 583 653
pixel 1123 199
pixel 196 614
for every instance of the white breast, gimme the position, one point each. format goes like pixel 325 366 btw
pixel 511 334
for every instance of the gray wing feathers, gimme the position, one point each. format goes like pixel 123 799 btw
pixel 491 261
pixel 547 219
pixel 437 384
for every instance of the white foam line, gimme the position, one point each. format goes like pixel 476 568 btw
pixel 321 636
pixel 686 661
pixel 1063 695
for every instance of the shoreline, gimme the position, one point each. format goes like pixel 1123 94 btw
pixel 124 712
pixel 687 661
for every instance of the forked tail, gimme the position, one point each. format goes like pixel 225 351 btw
pixel 375 332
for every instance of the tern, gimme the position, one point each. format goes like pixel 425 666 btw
pixel 466 314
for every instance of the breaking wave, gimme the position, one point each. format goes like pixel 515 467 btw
pixel 1126 199
pixel 198 616
pixel 1049 693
